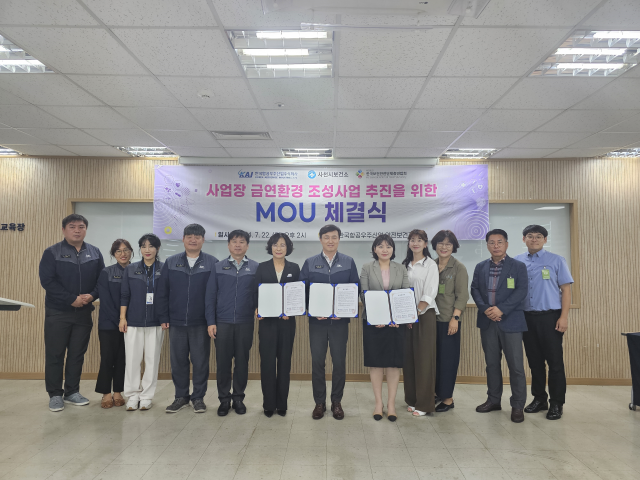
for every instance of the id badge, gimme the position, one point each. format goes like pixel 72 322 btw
pixel 511 283
pixel 149 298
pixel 545 274
pixel 441 288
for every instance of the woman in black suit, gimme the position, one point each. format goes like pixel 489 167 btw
pixel 276 335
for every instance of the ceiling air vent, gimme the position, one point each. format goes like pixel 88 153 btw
pixel 242 135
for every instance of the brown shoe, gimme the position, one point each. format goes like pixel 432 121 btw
pixel 318 412
pixel 108 403
pixel 336 408
pixel 118 401
pixel 487 407
pixel 517 415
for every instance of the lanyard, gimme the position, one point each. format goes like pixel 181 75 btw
pixel 154 278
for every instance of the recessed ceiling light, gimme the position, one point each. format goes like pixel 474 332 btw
pixel 148 151
pixel 283 54
pixel 8 151
pixel 549 208
pixel 307 152
pixel 624 152
pixel 14 59
pixel 591 53
pixel 469 153
pixel 241 135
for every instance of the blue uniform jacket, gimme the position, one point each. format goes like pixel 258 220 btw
pixel 180 293
pixel 317 270
pixel 135 287
pixel 109 284
pixel 66 273
pixel 231 297
pixel 510 301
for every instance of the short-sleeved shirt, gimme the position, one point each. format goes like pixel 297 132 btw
pixel 545 294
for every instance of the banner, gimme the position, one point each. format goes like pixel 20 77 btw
pixel 363 202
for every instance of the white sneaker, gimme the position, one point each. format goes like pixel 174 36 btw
pixel 145 404
pixel 132 405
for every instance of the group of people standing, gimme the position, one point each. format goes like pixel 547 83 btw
pixel 198 298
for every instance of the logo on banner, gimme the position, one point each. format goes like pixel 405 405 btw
pixel 168 230
pixel 311 174
pixel 242 174
pixel 360 173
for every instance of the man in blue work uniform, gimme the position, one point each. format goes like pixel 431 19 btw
pixel 69 273
pixel 231 302
pixel 180 307
pixel 328 267
pixel 546 310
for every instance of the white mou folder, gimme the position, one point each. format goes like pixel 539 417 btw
pixel 281 299
pixel 333 300
pixel 385 307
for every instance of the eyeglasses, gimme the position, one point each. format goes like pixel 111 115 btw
pixel 499 243
pixel 444 245
pixel 534 237
pixel 125 251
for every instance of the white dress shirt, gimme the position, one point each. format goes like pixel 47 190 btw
pixel 424 278
pixel 329 261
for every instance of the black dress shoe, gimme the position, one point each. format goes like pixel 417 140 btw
pixel 536 406
pixel 224 408
pixel 268 413
pixel 239 407
pixel 280 412
pixel 517 415
pixel 487 407
pixel 443 407
pixel 555 412
pixel 377 417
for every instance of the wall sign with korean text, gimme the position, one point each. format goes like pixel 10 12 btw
pixel 363 202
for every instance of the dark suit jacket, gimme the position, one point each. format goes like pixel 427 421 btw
pixel 510 301
pixel 266 273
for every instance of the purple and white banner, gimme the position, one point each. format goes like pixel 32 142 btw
pixel 363 202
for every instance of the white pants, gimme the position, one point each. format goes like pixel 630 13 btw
pixel 139 341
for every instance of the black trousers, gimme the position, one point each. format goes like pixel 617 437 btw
pixel 276 346
pixel 65 334
pixel 335 335
pixel 447 359
pixel 190 345
pixel 233 342
pixel 112 361
pixel 543 343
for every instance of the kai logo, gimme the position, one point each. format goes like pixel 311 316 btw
pixel 242 174
pixel 168 230
pixel 360 174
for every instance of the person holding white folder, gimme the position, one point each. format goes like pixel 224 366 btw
pixel 276 334
pixel 383 345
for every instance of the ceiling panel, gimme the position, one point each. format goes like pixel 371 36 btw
pixel 394 20
pixel 487 139
pixel 294 93
pixel 426 139
pixel 7 98
pixel 248 13
pixel 63 136
pixel 587 120
pixel 343 152
pixel 523 152
pixel 199 152
pixel 185 138
pixel 230 120
pixel 75 50
pixel 376 93
pixel 414 152
pixel 160 118
pixel 27 116
pixel 127 91
pixel 174 51
pixel 364 139
pixel 50 12
pixel 617 14
pixel 497 51
pixel 549 139
pixel 578 153
pixel 551 93
pixel 454 119
pixel 456 92
pixel 526 12
pixel 224 92
pixel 254 144
pixel 255 152
pixel 513 120
pixel 630 125
pixel 623 93
pixel 95 151
pixel 153 13
pixel 41 150
pixel 124 138
pixel 300 120
pixel 90 117
pixel 303 139
pixel 611 140
pixel 370 120
pixel 11 135
pixel 390 53
pixel 47 89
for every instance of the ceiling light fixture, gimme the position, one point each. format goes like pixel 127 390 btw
pixel 624 152
pixel 549 208
pixel 14 59
pixel 148 151
pixel 307 152
pixel 469 153
pixel 592 53
pixel 4 151
pixel 284 54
